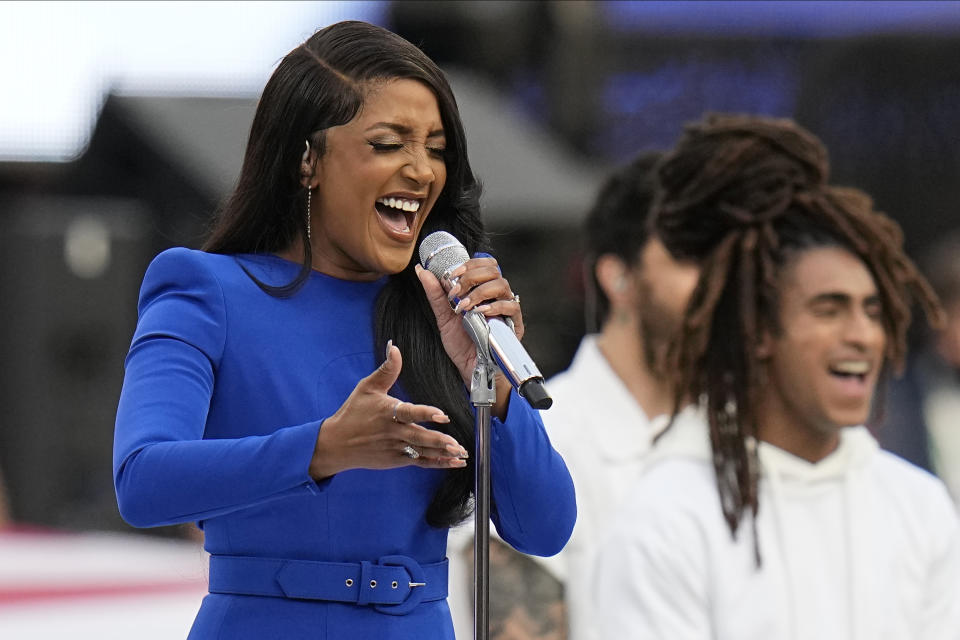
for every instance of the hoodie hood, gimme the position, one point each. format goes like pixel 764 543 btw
pixel 689 437
pixel 854 451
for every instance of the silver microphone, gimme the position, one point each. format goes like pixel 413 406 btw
pixel 441 253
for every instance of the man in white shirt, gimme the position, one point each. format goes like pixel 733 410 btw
pixel 767 512
pixel 605 404
pixel 601 421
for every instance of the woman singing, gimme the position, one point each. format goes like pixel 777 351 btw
pixel 299 388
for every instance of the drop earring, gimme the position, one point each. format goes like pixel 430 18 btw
pixel 309 194
pixel 304 160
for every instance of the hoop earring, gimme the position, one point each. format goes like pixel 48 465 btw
pixel 309 194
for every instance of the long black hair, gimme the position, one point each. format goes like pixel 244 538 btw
pixel 318 85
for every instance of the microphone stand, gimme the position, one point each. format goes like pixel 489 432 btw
pixel 483 395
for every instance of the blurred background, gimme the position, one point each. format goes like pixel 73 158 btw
pixel 122 126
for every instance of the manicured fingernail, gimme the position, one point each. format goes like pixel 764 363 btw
pixel 440 417
pixel 483 308
pixel 454 290
pixel 389 344
pixel 460 305
pixel 459 271
pixel 417 269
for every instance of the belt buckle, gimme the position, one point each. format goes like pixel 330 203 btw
pixel 416 583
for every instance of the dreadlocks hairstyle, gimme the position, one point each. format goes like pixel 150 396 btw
pixel 741 195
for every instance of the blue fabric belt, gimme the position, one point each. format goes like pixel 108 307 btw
pixel 394 584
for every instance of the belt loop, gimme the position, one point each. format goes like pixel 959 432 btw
pixel 367 583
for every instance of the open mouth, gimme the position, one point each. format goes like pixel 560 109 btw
pixel 851 369
pixel 398 214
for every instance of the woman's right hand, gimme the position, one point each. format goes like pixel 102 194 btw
pixel 371 430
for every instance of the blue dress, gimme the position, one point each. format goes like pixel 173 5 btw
pixel 225 391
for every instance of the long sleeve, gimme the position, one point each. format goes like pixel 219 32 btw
pixel 164 471
pixel 534 505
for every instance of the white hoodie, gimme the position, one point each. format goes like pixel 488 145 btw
pixel 859 546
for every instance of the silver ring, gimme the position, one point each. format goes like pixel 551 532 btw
pixel 516 298
pixel 395 407
pixel 410 452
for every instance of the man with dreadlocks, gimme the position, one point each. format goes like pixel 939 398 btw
pixel 803 301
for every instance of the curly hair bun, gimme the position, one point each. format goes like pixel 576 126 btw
pixel 747 169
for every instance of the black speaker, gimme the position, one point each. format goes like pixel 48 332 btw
pixel 70 270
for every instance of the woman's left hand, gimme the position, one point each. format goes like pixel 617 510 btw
pixel 482 287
